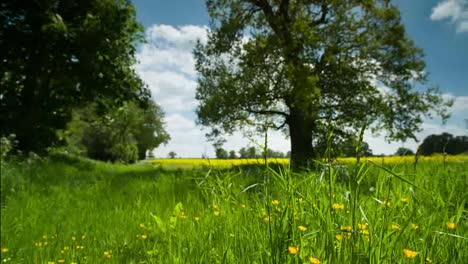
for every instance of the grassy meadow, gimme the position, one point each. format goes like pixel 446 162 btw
pixel 70 210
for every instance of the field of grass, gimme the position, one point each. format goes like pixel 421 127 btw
pixel 68 210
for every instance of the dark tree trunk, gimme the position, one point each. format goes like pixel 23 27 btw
pixel 301 127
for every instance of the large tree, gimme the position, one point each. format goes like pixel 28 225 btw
pixel 58 55
pixel 306 65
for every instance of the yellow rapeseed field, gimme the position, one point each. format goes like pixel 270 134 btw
pixel 227 163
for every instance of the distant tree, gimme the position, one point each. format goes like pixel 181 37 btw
pixel 122 133
pixel 304 65
pixel 443 143
pixel 404 152
pixel 60 55
pixel 232 154
pixel 243 154
pixel 172 155
pixel 221 153
pixel 252 153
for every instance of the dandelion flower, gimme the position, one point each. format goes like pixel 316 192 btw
pixel 300 200
pixel 338 206
pixel 293 250
pixel 414 226
pixel 395 227
pixel 410 253
pixel 451 225
pixel 108 254
pixel 314 260
pixel 386 203
pixel 142 226
pixel 275 202
pixel 362 226
pixel 267 219
pixel 61 261
pixel 216 213
pixel 302 228
pixel 50 262
pixel 144 236
pixel 196 218
pixel 405 200
pixel 73 238
pixel 339 237
pixel 346 228
pixel 4 250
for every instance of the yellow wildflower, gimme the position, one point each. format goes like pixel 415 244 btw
pixel 314 260
pixel 337 206
pixel 242 205
pixel 275 202
pixel 215 207
pixel 363 226
pixel 196 218
pixel 414 226
pixel 293 250
pixel 395 227
pixel 339 237
pixel 73 238
pixel 404 200
pixel 346 228
pixel 267 219
pixel 409 253
pixel 108 254
pixel 300 200
pixel 50 262
pixel 66 248
pixel 386 203
pixel 4 250
pixel 61 261
pixel 216 213
pixel 451 225
pixel 144 236
pixel 302 228
pixel 142 226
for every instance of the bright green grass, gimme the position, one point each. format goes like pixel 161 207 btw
pixel 89 212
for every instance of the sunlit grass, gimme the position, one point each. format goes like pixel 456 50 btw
pixel 77 211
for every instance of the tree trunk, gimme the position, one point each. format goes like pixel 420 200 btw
pixel 301 127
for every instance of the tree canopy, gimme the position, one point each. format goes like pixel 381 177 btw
pixel 61 54
pixel 125 133
pixel 305 66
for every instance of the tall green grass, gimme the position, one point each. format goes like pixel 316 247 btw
pixel 75 210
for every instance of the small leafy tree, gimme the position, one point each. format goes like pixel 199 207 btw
pixel 172 155
pixel 221 153
pixel 232 154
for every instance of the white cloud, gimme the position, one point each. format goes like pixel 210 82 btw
pixel 455 10
pixel 166 64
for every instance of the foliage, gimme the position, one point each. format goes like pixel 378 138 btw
pixel 58 55
pixel 92 212
pixel 306 66
pixel 221 153
pixel 444 143
pixel 7 144
pixel 172 155
pixel 404 152
pixel 232 154
pixel 124 133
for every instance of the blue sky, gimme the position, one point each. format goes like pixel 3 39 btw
pixel 439 27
